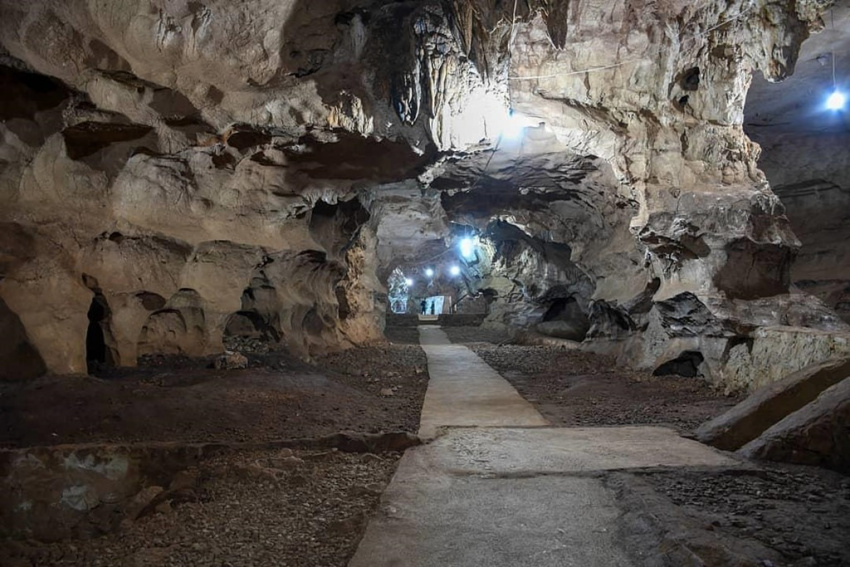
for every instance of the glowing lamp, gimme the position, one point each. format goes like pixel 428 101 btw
pixel 467 248
pixel 836 100
pixel 408 282
pixel 454 270
pixel 429 272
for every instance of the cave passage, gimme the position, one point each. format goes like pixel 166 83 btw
pixel 98 355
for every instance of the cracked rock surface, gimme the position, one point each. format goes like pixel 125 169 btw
pixel 175 174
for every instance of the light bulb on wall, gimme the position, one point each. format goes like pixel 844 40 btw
pixel 467 248
pixel 836 100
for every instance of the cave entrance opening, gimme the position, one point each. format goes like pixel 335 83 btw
pixel 437 305
pixel 98 354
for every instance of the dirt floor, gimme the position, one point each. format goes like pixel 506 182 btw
pixel 256 508
pixel 249 508
pixel 575 388
pixel 368 390
pixel 309 508
pixel 767 515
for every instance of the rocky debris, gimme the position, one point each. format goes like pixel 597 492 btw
pixel 279 396
pixel 378 364
pixel 576 388
pixel 533 360
pixel 402 335
pixel 769 515
pixel 140 501
pixel 398 441
pixel 770 404
pixel 247 345
pixel 231 361
pixel 563 330
pixel 817 434
pixel 250 510
pixel 465 335
pixel 83 491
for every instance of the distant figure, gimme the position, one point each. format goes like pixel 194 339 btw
pixel 422 306
pixel 432 307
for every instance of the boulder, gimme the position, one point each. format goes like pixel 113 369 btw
pixel 770 404
pixel 570 330
pixel 231 361
pixel 818 434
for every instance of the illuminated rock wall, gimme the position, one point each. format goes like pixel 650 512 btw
pixel 199 166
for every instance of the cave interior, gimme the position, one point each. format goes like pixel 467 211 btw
pixel 234 238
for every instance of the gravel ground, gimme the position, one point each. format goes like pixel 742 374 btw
pixel 256 508
pixel 469 335
pixel 402 335
pixel 366 390
pixel 576 388
pixel 801 513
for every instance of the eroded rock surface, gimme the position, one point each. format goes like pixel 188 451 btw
pixel 814 435
pixel 770 404
pixel 176 172
pixel 805 159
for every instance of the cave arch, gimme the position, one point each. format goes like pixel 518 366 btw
pixel 179 328
pixel 251 324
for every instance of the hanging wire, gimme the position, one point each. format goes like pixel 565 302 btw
pixel 501 134
pixel 832 18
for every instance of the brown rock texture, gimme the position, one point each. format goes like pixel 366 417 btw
pixel 770 404
pixel 177 172
pixel 815 435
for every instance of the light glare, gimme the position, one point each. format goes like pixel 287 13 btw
pixel 514 127
pixel 467 248
pixel 836 101
pixel 455 270
pixel 429 272
pixel 408 282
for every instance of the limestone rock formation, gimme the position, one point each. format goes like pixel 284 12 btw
pixel 805 159
pixel 814 435
pixel 175 172
pixel 770 404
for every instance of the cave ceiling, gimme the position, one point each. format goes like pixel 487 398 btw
pixel 298 151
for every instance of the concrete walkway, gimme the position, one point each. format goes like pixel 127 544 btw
pixel 498 488
pixel 464 391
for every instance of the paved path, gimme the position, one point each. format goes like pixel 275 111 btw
pixel 497 488
pixel 464 391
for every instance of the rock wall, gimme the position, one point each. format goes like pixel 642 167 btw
pixel 805 159
pixel 176 171
pixel 811 174
pixel 173 245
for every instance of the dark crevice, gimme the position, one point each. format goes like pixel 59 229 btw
pixel 98 354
